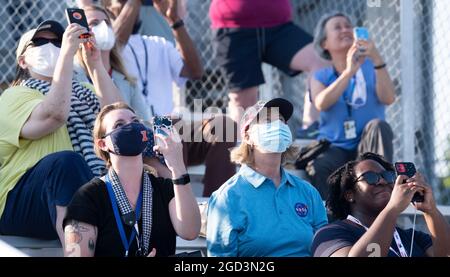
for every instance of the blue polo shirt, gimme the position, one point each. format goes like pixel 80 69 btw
pixel 332 120
pixel 249 217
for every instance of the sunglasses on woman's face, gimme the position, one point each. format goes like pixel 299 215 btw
pixel 42 41
pixel 373 178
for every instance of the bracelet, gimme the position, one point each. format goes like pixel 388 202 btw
pixel 183 180
pixel 177 24
pixel 381 66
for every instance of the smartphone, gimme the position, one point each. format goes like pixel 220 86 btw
pixel 408 169
pixel 361 33
pixel 75 15
pixel 160 122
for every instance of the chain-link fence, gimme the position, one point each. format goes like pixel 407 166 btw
pixel 412 36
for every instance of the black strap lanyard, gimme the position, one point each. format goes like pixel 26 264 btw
pixel 347 92
pixel 144 77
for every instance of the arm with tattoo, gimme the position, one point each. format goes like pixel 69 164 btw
pixel 80 239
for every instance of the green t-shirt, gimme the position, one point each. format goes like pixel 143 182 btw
pixel 17 155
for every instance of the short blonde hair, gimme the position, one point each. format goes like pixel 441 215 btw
pixel 243 154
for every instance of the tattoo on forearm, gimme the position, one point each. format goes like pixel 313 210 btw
pixel 74 235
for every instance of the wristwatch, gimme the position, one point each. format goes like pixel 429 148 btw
pixel 177 24
pixel 183 180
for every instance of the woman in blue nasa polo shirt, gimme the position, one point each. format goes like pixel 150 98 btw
pixel 263 210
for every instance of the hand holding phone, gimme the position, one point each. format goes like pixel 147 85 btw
pixel 75 15
pixel 408 169
pixel 160 123
pixel 361 33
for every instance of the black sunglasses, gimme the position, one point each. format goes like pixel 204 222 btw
pixel 373 178
pixel 42 41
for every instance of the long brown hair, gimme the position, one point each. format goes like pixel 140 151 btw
pixel 114 55
pixel 21 74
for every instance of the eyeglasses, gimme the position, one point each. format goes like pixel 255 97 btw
pixel 373 178
pixel 42 41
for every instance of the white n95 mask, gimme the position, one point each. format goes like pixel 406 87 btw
pixel 42 59
pixel 104 36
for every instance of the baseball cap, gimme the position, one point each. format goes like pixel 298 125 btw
pixel 48 25
pixel 285 108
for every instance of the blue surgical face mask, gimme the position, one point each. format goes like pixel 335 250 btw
pixel 129 140
pixel 271 137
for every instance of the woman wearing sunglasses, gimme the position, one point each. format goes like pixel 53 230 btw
pixel 368 197
pixel 46 119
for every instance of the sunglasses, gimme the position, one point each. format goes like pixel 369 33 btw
pixel 42 41
pixel 373 178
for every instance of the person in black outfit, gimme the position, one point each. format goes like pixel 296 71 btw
pixel 367 198
pixel 129 211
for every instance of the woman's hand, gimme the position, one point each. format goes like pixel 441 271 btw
pixel 90 53
pixel 168 8
pixel 355 58
pixel 152 254
pixel 170 146
pixel 428 206
pixel 402 194
pixel 71 39
pixel 370 50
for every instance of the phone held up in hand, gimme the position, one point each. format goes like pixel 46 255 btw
pixel 408 169
pixel 361 33
pixel 160 122
pixel 75 15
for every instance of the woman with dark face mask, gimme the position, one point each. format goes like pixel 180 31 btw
pixel 44 116
pixel 368 198
pixel 263 210
pixel 129 211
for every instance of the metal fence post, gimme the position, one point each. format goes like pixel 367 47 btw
pixel 407 77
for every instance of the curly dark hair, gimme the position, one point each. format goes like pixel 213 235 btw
pixel 343 180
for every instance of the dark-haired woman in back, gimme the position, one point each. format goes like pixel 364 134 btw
pixel 368 198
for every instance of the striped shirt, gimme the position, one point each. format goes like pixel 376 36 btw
pixel 84 108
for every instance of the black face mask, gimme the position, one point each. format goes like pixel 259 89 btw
pixel 129 140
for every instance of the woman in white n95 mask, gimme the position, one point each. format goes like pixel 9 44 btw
pixel 100 24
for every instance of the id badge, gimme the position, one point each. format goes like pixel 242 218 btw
pixel 350 129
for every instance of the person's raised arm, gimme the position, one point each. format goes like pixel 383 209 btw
pixel 325 97
pixel 53 111
pixel 124 22
pixel 105 89
pixel 385 88
pixel 183 208
pixel 193 68
pixel 436 222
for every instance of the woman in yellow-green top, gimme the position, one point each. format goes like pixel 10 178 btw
pixel 46 134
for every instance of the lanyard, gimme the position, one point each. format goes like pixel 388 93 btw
pixel 135 233
pixel 144 77
pixel 397 239
pixel 348 94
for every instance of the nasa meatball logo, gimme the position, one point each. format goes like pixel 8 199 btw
pixel 301 209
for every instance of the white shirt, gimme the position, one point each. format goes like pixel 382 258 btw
pixel 164 64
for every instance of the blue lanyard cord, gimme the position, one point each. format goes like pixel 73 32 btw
pixel 126 243
pixel 144 77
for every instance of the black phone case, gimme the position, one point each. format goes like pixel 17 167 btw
pixel 77 16
pixel 408 169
